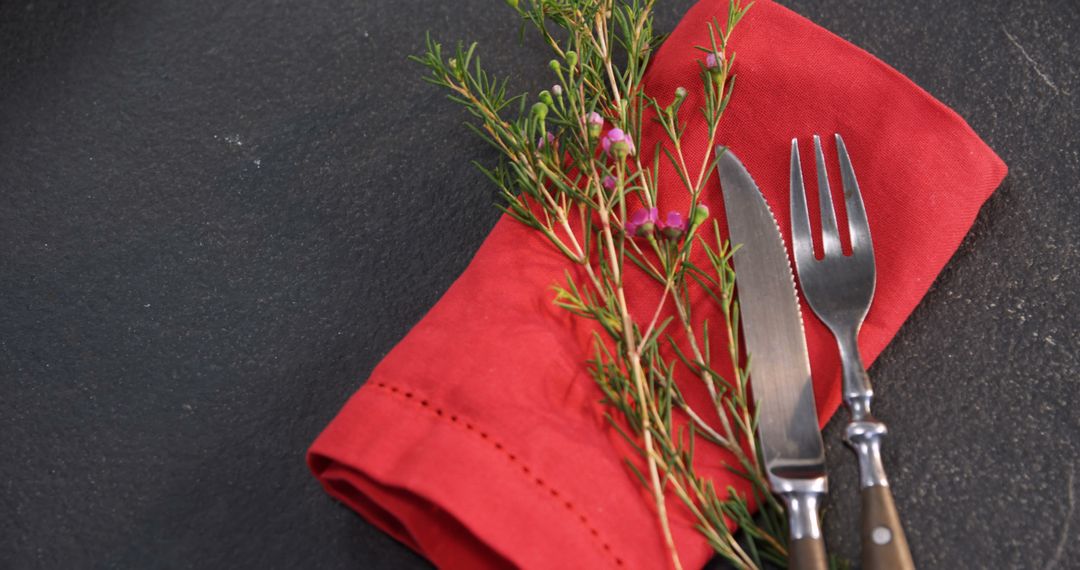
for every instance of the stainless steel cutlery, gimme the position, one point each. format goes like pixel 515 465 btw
pixel 788 428
pixel 840 288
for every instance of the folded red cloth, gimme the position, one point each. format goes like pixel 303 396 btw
pixel 479 441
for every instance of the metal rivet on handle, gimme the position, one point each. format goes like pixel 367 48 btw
pixel 881 536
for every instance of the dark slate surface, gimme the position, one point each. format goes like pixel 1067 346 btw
pixel 215 218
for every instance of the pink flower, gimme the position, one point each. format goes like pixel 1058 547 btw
pixel 642 222
pixel 714 63
pixel 609 182
pixel 674 225
pixel 548 139
pixel 595 123
pixel 617 143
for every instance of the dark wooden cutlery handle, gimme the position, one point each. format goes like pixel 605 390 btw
pixel 807 554
pixel 884 546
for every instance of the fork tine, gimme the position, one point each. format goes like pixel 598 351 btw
pixel 856 213
pixel 830 236
pixel 802 242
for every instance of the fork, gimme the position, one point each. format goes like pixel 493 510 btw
pixel 840 288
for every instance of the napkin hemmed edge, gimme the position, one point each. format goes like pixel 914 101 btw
pixel 409 478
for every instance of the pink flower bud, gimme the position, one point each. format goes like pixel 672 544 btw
pixel 595 124
pixel 617 143
pixel 699 215
pixel 674 225
pixel 714 62
pixel 642 222
pixel 545 140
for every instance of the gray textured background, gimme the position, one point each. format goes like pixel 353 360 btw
pixel 215 218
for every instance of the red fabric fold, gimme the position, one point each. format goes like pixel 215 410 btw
pixel 480 441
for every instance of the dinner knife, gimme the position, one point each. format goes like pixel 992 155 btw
pixel 788 429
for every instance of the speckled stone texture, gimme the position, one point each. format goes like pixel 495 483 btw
pixel 216 218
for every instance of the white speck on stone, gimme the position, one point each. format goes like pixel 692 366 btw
pixel 234 140
pixel 187 407
pixel 258 163
pixel 147 305
pixel 1050 340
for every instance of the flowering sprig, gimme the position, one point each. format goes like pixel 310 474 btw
pixel 572 169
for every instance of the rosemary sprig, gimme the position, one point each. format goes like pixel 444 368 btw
pixel 563 176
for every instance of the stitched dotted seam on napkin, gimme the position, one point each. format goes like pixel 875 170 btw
pixel 545 487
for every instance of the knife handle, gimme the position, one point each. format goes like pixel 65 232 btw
pixel 807 554
pixel 806 547
pixel 884 545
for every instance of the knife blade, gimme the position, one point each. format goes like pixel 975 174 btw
pixel 779 365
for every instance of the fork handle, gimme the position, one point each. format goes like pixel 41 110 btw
pixel 884 545
pixel 883 542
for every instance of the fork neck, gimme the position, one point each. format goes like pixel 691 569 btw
pixel 858 393
pixel 864 432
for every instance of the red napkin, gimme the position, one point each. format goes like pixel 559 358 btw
pixel 479 441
